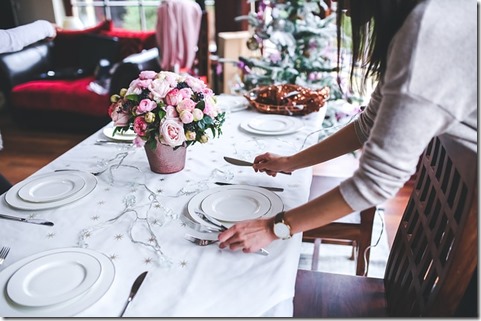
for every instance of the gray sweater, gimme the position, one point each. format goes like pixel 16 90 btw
pixel 429 89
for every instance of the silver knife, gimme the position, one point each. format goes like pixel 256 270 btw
pixel 240 162
pixel 111 142
pixel 26 220
pixel 274 189
pixel 217 223
pixel 133 291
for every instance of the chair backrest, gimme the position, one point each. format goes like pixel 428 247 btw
pixel 435 251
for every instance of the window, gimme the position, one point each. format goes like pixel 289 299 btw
pixel 126 14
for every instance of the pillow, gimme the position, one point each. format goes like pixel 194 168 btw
pixel 94 48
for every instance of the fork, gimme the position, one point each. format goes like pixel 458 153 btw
pixel 199 241
pixel 3 254
pixel 204 242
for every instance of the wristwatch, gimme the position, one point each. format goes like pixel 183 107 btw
pixel 281 229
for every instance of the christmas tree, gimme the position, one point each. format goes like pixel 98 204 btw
pixel 296 43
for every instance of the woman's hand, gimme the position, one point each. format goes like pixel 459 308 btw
pixel 248 236
pixel 271 164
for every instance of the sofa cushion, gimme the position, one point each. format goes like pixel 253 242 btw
pixel 60 95
pixel 68 44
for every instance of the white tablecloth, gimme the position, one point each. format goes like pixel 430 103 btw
pixel 200 281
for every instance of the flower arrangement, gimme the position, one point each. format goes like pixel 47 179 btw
pixel 166 108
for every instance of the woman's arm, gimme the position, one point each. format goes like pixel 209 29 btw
pixel 340 143
pixel 16 39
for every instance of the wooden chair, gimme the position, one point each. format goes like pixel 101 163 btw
pixel 434 256
pixel 354 230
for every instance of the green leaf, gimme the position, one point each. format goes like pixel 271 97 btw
pixel 133 97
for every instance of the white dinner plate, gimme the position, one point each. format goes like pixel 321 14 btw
pixel 128 135
pixel 13 199
pixel 51 187
pixel 236 205
pixel 53 278
pixel 67 308
pixel 272 125
pixel 195 202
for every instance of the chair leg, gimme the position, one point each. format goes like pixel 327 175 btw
pixel 315 255
pixel 367 221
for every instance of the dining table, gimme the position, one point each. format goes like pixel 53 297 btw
pixel 113 219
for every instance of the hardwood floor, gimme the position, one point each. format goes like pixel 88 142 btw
pixel 27 150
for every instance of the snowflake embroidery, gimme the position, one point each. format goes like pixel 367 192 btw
pixel 32 215
pixel 148 260
pixel 95 218
pixel 152 239
pixel 113 256
pixel 101 203
pixel 50 235
pixel 183 263
pixel 118 237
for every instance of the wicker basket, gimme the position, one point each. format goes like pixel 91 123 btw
pixel 287 99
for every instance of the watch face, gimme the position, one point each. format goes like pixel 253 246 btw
pixel 282 231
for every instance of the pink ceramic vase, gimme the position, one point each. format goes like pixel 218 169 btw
pixel 165 160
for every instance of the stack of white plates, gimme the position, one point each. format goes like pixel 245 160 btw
pixel 234 203
pixel 272 125
pixel 50 190
pixel 55 283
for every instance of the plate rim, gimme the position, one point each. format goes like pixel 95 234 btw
pixel 60 298
pixel 191 207
pixel 62 197
pixel 107 132
pixel 230 221
pixel 244 125
pixel 11 197
pixel 68 308
pixel 289 121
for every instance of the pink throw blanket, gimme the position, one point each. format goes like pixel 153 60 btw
pixel 178 27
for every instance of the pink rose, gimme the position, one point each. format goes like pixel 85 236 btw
pixel 145 106
pixel 170 112
pixel 172 132
pixel 186 92
pixel 159 89
pixel 140 126
pixel 173 97
pixel 210 108
pixel 119 116
pixel 186 117
pixel 147 74
pixel 186 104
pixel 195 83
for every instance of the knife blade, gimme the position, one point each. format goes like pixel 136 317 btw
pixel 133 291
pixel 273 189
pixel 240 162
pixel 26 220
pixel 111 142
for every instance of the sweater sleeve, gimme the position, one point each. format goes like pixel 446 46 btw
pixel 411 105
pixel 17 38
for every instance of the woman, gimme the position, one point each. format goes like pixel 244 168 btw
pixel 424 55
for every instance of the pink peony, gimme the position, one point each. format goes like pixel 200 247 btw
pixel 170 112
pixel 147 74
pixel 172 132
pixel 140 126
pixel 173 97
pixel 145 106
pixel 119 116
pixel 186 104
